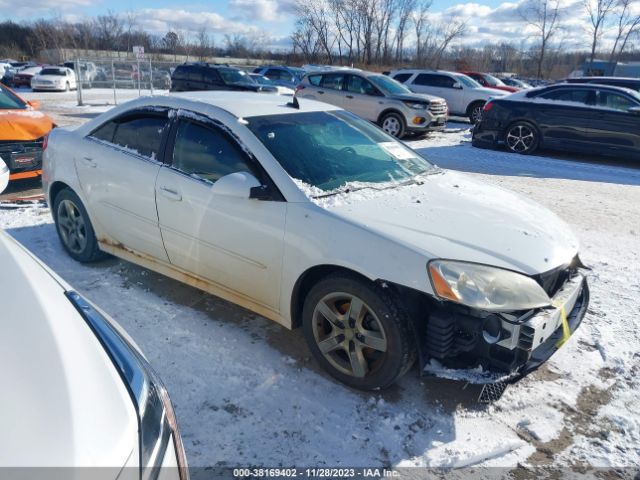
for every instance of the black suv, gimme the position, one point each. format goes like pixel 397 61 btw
pixel 206 76
pixel 632 83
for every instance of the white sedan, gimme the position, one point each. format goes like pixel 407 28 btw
pixel 54 78
pixel 76 391
pixel 312 217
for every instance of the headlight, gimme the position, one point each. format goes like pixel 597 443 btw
pixel 416 105
pixel 156 419
pixel 485 288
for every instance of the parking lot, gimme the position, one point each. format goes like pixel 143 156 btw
pixel 247 391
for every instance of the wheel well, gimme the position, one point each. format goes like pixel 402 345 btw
pixel 413 301
pixel 54 190
pixel 474 103
pixel 387 111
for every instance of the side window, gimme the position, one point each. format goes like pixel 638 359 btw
pixel 274 74
pixel 206 152
pixel 615 101
pixel 445 81
pixel 194 75
pixel 360 85
pixel 332 81
pixel 402 77
pixel 426 80
pixel 105 132
pixel 315 80
pixel 141 134
pixel 581 96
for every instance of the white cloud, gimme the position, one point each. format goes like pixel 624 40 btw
pixel 161 20
pixel 262 10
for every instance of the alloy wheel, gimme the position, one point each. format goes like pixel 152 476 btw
pixel 72 227
pixel 476 114
pixel 520 138
pixel 349 334
pixel 392 126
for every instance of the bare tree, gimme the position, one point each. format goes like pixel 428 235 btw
pixel 317 14
pixel 598 12
pixel 420 17
pixel 449 31
pixel 544 16
pixel 203 42
pixel 628 25
pixel 405 9
pixel 109 29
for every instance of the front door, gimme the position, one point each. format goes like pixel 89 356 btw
pixel 237 243
pixel 613 126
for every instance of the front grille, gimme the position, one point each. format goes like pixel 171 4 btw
pixel 438 108
pixel 22 156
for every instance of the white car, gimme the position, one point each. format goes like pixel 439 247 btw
pixel 313 217
pixel 465 97
pixel 76 391
pixel 54 78
pixel 4 175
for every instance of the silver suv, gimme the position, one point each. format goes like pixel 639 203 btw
pixel 464 95
pixel 377 98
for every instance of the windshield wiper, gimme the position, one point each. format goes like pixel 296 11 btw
pixel 410 181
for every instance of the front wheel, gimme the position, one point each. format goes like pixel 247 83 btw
pixel 522 137
pixel 357 331
pixel 74 227
pixel 393 124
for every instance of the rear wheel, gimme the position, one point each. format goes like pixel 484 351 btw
pixel 522 137
pixel 357 331
pixel 393 124
pixel 74 227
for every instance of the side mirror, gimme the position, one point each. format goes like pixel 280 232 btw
pixel 457 86
pixel 35 104
pixel 634 110
pixel 238 184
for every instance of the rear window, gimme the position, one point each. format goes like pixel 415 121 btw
pixel 53 71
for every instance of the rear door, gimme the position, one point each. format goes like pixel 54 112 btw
pixel 613 126
pixel 440 86
pixel 332 89
pixel 236 243
pixel 563 117
pixel 117 166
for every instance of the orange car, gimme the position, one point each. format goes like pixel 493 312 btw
pixel 23 135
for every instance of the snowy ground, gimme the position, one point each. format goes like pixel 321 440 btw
pixel 247 392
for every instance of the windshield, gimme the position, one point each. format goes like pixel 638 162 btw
pixel 52 71
pixel 493 81
pixel 9 101
pixel 388 85
pixel 329 150
pixel 232 75
pixel 467 81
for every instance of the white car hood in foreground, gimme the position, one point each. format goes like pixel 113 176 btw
pixel 63 402
pixel 452 216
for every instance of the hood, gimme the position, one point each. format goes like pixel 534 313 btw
pixel 23 124
pixel 491 92
pixel 455 217
pixel 66 401
pixel 416 97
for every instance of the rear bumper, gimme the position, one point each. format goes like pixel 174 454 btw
pixel 484 136
pixel 482 347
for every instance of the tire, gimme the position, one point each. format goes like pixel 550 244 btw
pixel 522 137
pixel 366 337
pixel 474 111
pixel 393 124
pixel 74 228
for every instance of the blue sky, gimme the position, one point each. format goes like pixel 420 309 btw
pixel 273 20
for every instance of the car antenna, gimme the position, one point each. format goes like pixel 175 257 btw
pixel 294 103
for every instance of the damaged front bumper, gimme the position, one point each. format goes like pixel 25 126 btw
pixel 484 347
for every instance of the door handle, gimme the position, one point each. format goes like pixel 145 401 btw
pixel 89 162
pixel 349 96
pixel 321 92
pixel 171 194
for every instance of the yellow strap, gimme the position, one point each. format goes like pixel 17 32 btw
pixel 566 331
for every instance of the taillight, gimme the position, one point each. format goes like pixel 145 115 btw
pixel 487 106
pixel 45 142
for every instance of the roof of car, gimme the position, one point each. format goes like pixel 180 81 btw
pixel 250 104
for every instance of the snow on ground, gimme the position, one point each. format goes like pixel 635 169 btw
pixel 247 392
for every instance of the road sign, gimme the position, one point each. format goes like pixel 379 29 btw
pixel 138 51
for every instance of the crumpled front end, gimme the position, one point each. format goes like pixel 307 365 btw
pixel 480 347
